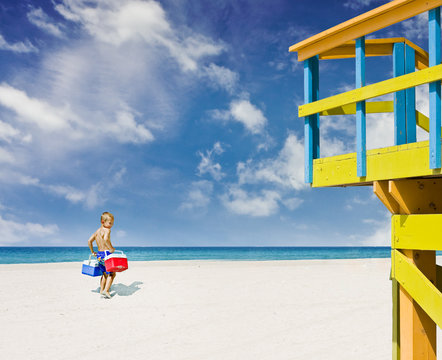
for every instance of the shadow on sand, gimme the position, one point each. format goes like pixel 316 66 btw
pixel 122 290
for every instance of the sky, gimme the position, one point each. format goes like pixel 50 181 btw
pixel 180 118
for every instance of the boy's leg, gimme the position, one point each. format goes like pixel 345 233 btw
pixel 109 280
pixel 103 282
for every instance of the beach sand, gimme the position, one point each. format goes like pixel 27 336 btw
pixel 309 309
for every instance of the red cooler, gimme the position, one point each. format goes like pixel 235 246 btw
pixel 116 262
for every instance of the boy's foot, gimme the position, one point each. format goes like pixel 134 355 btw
pixel 106 295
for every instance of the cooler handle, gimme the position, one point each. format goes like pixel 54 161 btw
pixel 89 260
pixel 119 251
pixel 115 251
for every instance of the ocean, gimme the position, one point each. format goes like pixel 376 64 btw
pixel 29 255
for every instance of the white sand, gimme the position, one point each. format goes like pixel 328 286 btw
pixel 315 309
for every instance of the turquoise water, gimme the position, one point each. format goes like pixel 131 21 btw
pixel 27 255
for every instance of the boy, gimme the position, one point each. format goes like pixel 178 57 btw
pixel 104 245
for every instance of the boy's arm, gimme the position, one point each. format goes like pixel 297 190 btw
pixel 90 242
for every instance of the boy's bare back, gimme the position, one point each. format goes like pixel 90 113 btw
pixel 102 236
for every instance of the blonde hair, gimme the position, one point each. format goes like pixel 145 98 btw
pixel 106 215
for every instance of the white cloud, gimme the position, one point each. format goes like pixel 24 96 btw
pixel 15 232
pixel 13 177
pixel 126 130
pixel 222 77
pixel 6 156
pixel 40 113
pixel 116 22
pixel 49 118
pixel 416 28
pixel 292 203
pixel 380 130
pixel 249 115
pixel 40 19
pixel 198 196
pixel 18 47
pixel 207 164
pixel 422 105
pixel 358 4
pixel 240 202
pixel 381 235
pixel 68 192
pixel 96 195
pixel 9 133
pixel 287 169
pixel 244 112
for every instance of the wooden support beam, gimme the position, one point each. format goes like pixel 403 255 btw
pixel 396 349
pixel 311 122
pixel 410 96
pixel 380 188
pixel 418 232
pixel 410 274
pixel 376 19
pixel 400 132
pixel 403 82
pixel 422 121
pixel 361 151
pixel 415 270
pixel 418 196
pixel 395 162
pixel 420 304
pixel 376 47
pixel 439 277
pixel 434 39
pixel 372 107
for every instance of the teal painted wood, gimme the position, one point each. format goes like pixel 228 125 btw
pixel 410 97
pixel 435 101
pixel 400 130
pixel 311 122
pixel 361 156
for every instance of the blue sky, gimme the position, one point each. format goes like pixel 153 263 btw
pixel 180 117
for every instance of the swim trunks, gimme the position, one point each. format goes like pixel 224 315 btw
pixel 101 255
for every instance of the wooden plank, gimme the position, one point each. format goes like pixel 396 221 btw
pixel 371 21
pixel 311 124
pixel 347 51
pixel 410 97
pixel 439 277
pixel 420 232
pixel 411 273
pixel 400 132
pixel 420 196
pixel 395 162
pixel 399 196
pixel 380 188
pixel 396 321
pixel 422 121
pixel 435 89
pixel 361 161
pixel 371 107
pixel 376 47
pixel 370 91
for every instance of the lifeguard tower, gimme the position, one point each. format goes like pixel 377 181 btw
pixel 406 177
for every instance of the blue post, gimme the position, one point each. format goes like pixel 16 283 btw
pixel 361 156
pixel 435 103
pixel 410 96
pixel 311 122
pixel 400 132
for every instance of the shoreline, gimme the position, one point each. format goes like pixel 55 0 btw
pixel 153 262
